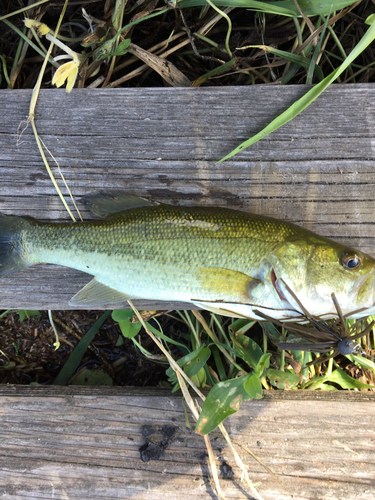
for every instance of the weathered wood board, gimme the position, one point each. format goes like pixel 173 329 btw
pixel 84 443
pixel 317 171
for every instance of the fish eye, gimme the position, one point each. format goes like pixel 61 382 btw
pixel 351 261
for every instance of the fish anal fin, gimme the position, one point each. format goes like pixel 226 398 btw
pixel 103 204
pixel 97 294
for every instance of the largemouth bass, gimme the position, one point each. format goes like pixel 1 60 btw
pixel 230 262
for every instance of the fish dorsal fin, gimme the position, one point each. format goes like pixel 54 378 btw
pixel 227 285
pixel 103 204
pixel 97 294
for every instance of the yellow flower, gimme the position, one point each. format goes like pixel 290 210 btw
pixel 67 71
pixel 41 28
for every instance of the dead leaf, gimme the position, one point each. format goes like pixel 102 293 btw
pixel 166 69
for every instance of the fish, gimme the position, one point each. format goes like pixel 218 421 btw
pixel 226 261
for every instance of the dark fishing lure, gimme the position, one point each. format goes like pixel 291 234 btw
pixel 326 336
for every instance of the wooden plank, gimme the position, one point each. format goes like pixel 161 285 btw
pixel 316 171
pixel 84 443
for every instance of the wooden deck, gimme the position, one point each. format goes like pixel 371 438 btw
pixel 317 171
pixel 84 443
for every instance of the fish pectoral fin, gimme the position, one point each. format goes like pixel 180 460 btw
pixel 97 294
pixel 226 285
pixel 103 204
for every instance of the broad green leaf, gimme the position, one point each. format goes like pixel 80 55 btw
pixel 312 94
pixel 195 361
pixel 200 379
pixel 246 348
pixel 28 313
pixel 262 365
pixel 120 341
pixel 125 318
pixel 326 387
pixel 128 329
pixel 298 355
pixel 105 50
pixel 271 331
pixel 345 381
pixel 253 386
pixel 242 325
pixel 75 358
pixel 192 363
pixel 223 400
pixel 122 47
pixel 122 315
pixel 282 380
pixel 340 378
pixel 92 377
pixel 360 360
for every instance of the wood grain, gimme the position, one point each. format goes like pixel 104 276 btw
pixel 84 443
pixel 317 171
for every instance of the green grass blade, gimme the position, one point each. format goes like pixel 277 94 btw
pixel 19 11
pixel 219 364
pixel 30 42
pixel 78 352
pixel 270 8
pixel 314 58
pixel 305 62
pixel 164 337
pixel 282 8
pixel 312 94
pixel 220 69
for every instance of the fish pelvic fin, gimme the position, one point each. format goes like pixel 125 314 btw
pixel 219 308
pixel 97 294
pixel 103 204
pixel 12 256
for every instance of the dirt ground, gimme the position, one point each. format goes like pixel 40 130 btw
pixel 30 356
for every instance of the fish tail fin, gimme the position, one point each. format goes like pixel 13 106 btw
pixel 12 257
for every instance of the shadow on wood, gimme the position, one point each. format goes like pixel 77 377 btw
pixel 75 442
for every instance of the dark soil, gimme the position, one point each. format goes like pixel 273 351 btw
pixel 30 356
